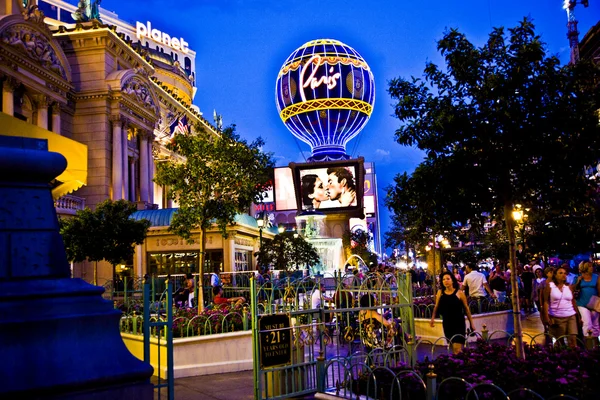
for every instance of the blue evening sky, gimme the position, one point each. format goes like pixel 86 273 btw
pixel 242 44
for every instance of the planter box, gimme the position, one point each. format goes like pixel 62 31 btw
pixel 200 355
pixel 501 321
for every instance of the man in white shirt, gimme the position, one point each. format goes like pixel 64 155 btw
pixel 317 294
pixel 476 283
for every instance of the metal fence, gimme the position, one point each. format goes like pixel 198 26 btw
pixel 331 330
pixel 154 324
pixel 387 375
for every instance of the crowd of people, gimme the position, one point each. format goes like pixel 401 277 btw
pixel 567 296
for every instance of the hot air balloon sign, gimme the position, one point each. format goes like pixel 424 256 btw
pixel 325 94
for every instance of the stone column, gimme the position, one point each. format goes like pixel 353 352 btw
pixel 138 262
pixel 56 127
pixel 42 111
pixel 117 157
pixel 152 169
pixel 144 173
pixel 125 156
pixel 8 100
pixel 132 183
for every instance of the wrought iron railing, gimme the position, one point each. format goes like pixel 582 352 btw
pixel 475 374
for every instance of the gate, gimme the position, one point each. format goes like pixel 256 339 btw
pixel 285 335
pixel 158 322
pixel 294 344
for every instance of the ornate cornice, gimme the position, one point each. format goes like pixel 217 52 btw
pixel 93 35
pixel 52 81
pixel 90 96
pixel 137 115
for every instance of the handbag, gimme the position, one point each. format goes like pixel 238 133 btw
pixel 594 303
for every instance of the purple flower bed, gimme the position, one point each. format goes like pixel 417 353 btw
pixel 546 371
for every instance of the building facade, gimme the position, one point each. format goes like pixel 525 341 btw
pixel 109 96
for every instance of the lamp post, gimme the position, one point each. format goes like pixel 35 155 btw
pixel 512 217
pixel 296 249
pixel 261 223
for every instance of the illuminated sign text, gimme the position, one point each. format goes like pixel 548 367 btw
pixel 145 30
pixel 330 81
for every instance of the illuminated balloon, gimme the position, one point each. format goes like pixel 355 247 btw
pixel 325 94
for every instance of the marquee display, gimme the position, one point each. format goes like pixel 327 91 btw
pixel 325 94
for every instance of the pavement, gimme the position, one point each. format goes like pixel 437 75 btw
pixel 240 385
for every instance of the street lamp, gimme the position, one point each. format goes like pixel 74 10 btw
pixel 281 228
pixel 517 215
pixel 261 223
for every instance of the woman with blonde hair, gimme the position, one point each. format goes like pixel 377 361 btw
pixel 588 285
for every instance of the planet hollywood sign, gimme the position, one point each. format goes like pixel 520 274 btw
pixel 145 30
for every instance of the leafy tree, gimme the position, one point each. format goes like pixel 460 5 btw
pixel 501 125
pixel 107 233
pixel 218 178
pixel 288 252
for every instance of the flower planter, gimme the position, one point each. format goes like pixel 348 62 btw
pixel 500 321
pixel 199 355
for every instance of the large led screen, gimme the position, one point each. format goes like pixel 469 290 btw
pixel 330 186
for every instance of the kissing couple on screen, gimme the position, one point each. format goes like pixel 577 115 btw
pixel 340 190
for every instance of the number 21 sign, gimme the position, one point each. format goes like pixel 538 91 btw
pixel 275 340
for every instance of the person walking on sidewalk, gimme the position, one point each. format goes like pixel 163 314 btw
pixel 476 285
pixel 559 309
pixel 589 285
pixel 451 303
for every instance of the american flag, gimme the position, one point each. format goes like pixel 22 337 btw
pixel 182 125
pixel 179 125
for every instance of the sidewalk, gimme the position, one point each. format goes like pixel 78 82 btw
pixel 240 385
pixel 230 386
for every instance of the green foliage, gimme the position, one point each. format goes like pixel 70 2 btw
pixel 501 125
pixel 288 253
pixel 108 233
pixel 218 178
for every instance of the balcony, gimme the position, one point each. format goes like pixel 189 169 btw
pixel 69 204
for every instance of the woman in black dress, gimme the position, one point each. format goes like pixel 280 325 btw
pixel 451 303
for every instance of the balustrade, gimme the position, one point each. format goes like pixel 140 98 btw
pixel 69 204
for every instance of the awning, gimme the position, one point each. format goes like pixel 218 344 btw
pixel 75 176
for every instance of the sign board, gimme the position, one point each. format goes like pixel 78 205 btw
pixel 275 340
pixel 146 30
